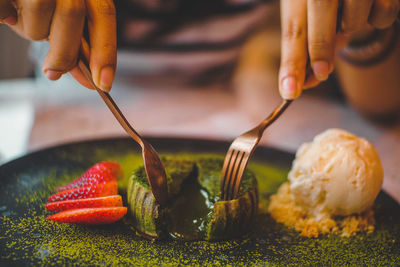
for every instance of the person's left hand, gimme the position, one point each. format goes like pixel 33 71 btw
pixel 309 34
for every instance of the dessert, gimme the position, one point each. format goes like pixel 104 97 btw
pixel 194 211
pixel 91 198
pixel 332 185
pixel 148 218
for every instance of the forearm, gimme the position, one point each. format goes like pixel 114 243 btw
pixel 375 89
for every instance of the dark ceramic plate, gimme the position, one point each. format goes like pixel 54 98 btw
pixel 26 238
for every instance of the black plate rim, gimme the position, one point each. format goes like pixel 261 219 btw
pixel 155 141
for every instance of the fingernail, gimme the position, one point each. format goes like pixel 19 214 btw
pixel 321 70
pixel 53 75
pixel 11 20
pixel 106 78
pixel 290 88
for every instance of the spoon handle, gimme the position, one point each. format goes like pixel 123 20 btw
pixel 83 65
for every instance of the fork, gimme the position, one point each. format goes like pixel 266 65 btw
pixel 240 152
pixel 154 168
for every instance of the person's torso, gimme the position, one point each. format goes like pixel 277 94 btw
pixel 194 41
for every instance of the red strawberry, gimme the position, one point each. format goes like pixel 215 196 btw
pixel 114 167
pixel 101 172
pixel 109 201
pixel 96 190
pixel 89 215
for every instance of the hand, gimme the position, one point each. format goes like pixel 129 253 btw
pixel 309 34
pixel 61 23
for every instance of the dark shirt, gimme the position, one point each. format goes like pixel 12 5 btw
pixel 196 40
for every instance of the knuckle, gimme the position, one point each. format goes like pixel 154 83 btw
pixel 111 50
pixel 321 3
pixel 384 13
pixel 36 35
pixel 291 65
pixel 347 28
pixel 105 7
pixel 293 31
pixel 320 43
pixel 62 62
pixel 389 7
pixel 109 46
pixel 73 9
pixel 38 5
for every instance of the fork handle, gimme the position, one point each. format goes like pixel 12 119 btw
pixel 275 114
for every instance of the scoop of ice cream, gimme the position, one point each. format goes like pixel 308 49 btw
pixel 337 173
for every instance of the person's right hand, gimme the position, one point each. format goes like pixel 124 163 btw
pixel 61 23
pixel 312 29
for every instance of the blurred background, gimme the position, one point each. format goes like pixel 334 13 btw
pixel 16 112
pixel 14 50
pixel 36 113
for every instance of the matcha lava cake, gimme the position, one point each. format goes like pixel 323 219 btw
pixel 194 211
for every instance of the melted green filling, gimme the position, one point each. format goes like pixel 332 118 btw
pixel 190 212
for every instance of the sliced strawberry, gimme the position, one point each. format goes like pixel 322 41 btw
pixel 89 215
pixel 91 179
pixel 101 172
pixel 97 202
pixel 114 167
pixel 96 190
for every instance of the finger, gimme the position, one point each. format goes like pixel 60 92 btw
pixel 37 15
pixel 77 74
pixel 103 42
pixel 321 15
pixel 65 37
pixel 311 82
pixel 294 48
pixel 8 13
pixel 355 15
pixel 383 13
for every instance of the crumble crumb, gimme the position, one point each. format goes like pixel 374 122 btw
pixel 284 210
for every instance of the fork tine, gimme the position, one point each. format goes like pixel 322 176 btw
pixel 239 176
pixel 229 171
pixel 225 170
pixel 234 172
pixel 240 152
